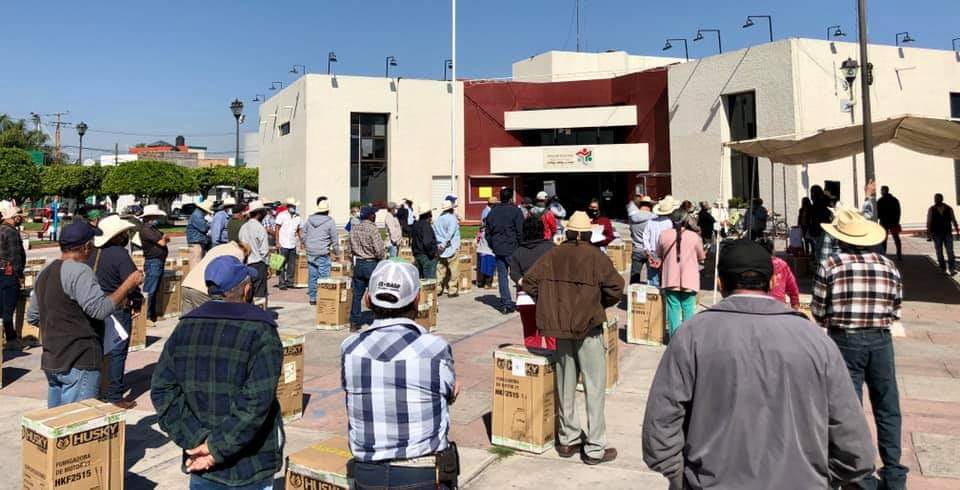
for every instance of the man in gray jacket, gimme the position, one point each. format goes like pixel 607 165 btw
pixel 320 238
pixel 774 406
pixel 639 212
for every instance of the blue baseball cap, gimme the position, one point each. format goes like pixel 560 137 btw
pixel 225 273
pixel 76 234
pixel 367 211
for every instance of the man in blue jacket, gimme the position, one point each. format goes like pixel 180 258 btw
pixel 503 230
pixel 197 228
pixel 447 230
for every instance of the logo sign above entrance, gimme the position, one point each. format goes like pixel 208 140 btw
pixel 632 157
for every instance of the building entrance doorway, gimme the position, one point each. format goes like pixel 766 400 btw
pixel 577 189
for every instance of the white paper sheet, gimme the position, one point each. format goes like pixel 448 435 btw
pixel 114 334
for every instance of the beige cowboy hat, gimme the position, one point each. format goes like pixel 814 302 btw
pixel 579 223
pixel 111 226
pixel 255 205
pixel 228 202
pixel 206 205
pixel 322 207
pixel 152 210
pixel 291 201
pixel 849 226
pixel 11 212
pixel 666 206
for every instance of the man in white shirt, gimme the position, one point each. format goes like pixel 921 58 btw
pixel 289 236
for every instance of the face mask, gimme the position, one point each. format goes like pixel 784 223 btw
pixel 593 213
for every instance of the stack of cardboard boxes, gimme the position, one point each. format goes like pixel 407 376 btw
pixel 341 269
pixel 429 306
pixel 169 294
pixel 138 330
pixel 619 253
pixel 645 316
pixel 302 275
pixel 80 445
pixel 290 385
pixel 524 393
pixel 334 298
pixel 405 254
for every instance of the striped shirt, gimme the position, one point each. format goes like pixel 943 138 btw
pixel 397 380
pixel 856 289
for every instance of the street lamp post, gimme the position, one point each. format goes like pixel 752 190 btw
pixel 905 39
pixel 237 108
pixel 81 130
pixel 303 69
pixel 686 52
pixel 276 85
pixel 699 37
pixel 750 23
pixel 868 166
pixel 835 31
pixel 259 98
pixel 447 65
pixel 331 58
pixel 849 70
pixel 391 61
pixel 954 42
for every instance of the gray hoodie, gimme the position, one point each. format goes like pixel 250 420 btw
pixel 638 225
pixel 320 235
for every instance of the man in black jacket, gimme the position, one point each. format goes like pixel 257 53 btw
pixel 533 247
pixel 12 262
pixel 941 221
pixel 503 228
pixel 888 210
pixel 423 244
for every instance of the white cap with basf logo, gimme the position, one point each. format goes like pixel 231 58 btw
pixel 394 284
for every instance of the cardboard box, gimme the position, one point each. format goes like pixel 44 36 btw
pixel 322 466
pixel 427 318
pixel 611 340
pixel 466 274
pixel 138 330
pixel 341 269
pixel 184 267
pixel 38 262
pixel 406 254
pixel 524 405
pixel 617 251
pixel 168 294
pixel 79 446
pixel 302 276
pixel 290 385
pixel 468 248
pixel 428 292
pixel 334 299
pixel 30 276
pixel 645 316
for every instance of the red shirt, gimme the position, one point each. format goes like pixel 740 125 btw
pixel 549 224
pixel 784 283
pixel 607 230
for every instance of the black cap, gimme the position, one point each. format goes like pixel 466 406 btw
pixel 740 256
pixel 76 234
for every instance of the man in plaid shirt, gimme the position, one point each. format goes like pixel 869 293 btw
pixel 856 296
pixel 399 383
pixel 215 385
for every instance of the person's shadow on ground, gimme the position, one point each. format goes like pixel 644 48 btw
pixel 139 438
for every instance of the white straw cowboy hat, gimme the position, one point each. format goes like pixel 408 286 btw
pixel 323 206
pixel 255 205
pixel 228 202
pixel 579 223
pixel 666 206
pixel 206 205
pixel 849 226
pixel 11 212
pixel 111 226
pixel 292 202
pixel 152 210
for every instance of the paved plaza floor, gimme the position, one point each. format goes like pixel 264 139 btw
pixel 928 370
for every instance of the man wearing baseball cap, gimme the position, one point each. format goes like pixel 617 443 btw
pixel 69 306
pixel 769 388
pixel 398 425
pixel 215 385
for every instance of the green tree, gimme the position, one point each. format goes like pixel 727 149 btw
pixel 155 179
pixel 14 133
pixel 19 177
pixel 210 177
pixel 72 181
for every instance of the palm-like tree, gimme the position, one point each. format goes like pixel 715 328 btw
pixel 14 133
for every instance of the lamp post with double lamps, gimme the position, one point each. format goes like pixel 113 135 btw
pixel 237 108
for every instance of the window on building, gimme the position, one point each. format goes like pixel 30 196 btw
pixel 742 118
pixel 955 114
pixel 368 157
pixel 574 136
pixel 285 129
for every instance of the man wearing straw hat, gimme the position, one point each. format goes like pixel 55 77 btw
pixel 12 261
pixel 572 285
pixel 320 239
pixel 154 245
pixel 254 235
pixel 112 265
pixel 857 294
pixel 218 226
pixel 197 228
pixel 651 236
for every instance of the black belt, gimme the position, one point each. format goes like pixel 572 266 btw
pixel 860 331
pixel 367 260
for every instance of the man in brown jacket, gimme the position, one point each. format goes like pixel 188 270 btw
pixel 573 284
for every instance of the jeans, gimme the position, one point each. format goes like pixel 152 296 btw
pixel 362 269
pixel 318 267
pixel 260 289
pixel 426 266
pixel 9 296
pixel 681 305
pixel 895 233
pixel 637 261
pixel 589 358
pixel 503 267
pixel 152 273
pixel 943 242
pixel 392 251
pixel 370 476
pixel 653 276
pixel 72 386
pixel 118 360
pixel 289 271
pixel 868 354
pixel 198 483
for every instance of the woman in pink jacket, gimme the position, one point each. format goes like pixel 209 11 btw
pixel 783 283
pixel 681 253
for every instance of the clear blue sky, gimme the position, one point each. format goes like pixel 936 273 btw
pixel 167 68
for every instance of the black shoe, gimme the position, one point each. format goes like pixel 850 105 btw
pixel 313 303
pixel 609 455
pixel 506 310
pixel 282 287
pixel 568 451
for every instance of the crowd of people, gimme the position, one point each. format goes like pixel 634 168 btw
pixel 215 382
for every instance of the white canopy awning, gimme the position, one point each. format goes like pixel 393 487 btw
pixel 927 135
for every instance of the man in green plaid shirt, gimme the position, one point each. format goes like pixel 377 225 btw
pixel 215 386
